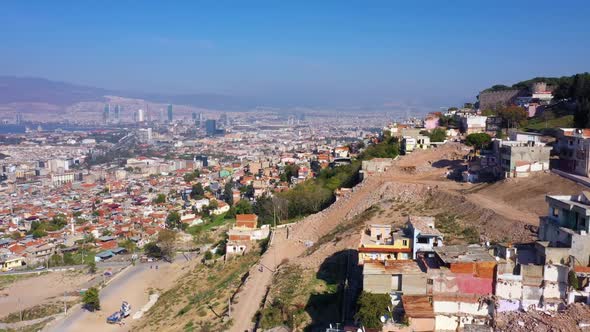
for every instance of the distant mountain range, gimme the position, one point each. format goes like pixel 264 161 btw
pixel 40 90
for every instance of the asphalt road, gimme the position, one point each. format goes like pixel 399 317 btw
pixel 112 290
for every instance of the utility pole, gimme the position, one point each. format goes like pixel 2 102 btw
pixel 65 304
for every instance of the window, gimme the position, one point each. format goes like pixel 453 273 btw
pixel 429 281
pixel 555 212
pixel 423 240
pixel 405 242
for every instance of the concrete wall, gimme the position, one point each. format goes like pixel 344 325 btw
pixel 555 273
pixel 422 324
pixel 453 323
pixel 497 99
pixel 512 154
pixel 413 284
pixel 581 248
pixel 531 296
pixel 509 287
pixel 457 307
pixel 377 283
pixel 508 305
pixel 554 290
pixel 549 231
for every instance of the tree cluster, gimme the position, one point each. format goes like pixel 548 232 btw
pixel 370 309
pixel 478 140
pixel 40 229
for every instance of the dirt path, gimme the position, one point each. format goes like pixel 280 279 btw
pixel 503 209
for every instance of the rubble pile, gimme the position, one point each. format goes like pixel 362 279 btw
pixel 575 317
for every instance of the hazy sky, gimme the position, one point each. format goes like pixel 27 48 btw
pixel 300 52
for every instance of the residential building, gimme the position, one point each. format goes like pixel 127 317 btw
pixel 376 165
pixel 568 224
pixel 408 144
pixel 381 243
pixel 525 281
pixel 241 235
pixel 422 142
pixel 471 124
pixel 9 261
pixel 461 279
pixel 573 148
pixel 520 136
pixel 396 278
pixel 423 234
pixel 520 159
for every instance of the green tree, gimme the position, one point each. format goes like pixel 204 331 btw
pixel 513 116
pixel 152 249
pixel 371 308
pixel 197 191
pixel 249 193
pixel 128 244
pixel 244 207
pixel 173 220
pixel 573 280
pixel 288 172
pixel 447 121
pixel 39 233
pixel 160 199
pixel 189 177
pixel 55 260
pixel 438 135
pixel 582 113
pixel 228 195
pixel 167 243
pixel 92 267
pixel 478 140
pixel 91 299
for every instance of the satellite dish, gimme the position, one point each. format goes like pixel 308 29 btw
pixel 359 330
pixel 383 319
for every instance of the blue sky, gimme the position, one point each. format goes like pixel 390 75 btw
pixel 345 53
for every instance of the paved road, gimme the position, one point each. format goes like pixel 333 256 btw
pixel 107 294
pixel 130 285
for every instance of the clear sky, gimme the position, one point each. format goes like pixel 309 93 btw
pixel 346 53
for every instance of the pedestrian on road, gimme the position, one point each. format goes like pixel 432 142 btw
pixel 156 267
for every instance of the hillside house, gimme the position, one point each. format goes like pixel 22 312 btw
pixel 9 261
pixel 243 233
pixel 423 234
pixel 380 243
pixel 471 124
pixel 520 159
pixel 525 280
pixel 568 224
pixel 573 148
pixel 460 279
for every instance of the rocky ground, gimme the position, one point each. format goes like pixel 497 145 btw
pixel 576 317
